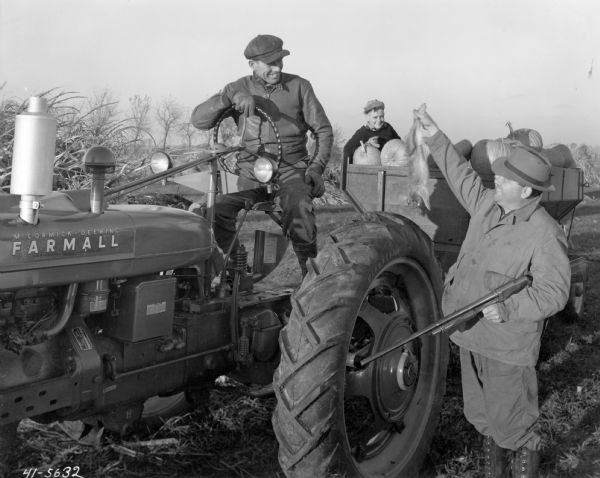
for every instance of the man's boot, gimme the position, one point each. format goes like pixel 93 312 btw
pixel 303 253
pixel 495 462
pixel 302 261
pixel 526 463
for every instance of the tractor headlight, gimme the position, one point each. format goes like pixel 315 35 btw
pixel 160 161
pixel 264 169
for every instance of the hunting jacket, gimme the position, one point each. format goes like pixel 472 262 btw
pixel 499 247
pixel 294 108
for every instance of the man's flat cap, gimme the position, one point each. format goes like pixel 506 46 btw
pixel 373 105
pixel 266 48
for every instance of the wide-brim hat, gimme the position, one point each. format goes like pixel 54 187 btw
pixel 266 48
pixel 526 167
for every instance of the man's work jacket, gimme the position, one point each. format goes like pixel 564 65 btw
pixel 293 107
pixel 499 247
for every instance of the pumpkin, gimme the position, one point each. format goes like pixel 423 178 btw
pixel 464 148
pixel 498 149
pixel 367 155
pixel 486 151
pixel 394 153
pixel 526 136
pixel 559 155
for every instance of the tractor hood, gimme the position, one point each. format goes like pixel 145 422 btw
pixel 71 244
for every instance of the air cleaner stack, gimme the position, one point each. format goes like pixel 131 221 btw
pixel 33 157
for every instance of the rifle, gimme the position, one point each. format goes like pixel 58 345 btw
pixel 455 318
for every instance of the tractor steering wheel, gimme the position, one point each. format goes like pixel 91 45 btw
pixel 229 162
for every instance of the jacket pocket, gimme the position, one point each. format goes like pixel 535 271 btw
pixel 492 279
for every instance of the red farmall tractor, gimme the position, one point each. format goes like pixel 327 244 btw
pixel 111 313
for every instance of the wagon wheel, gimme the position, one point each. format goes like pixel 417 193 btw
pixel 373 284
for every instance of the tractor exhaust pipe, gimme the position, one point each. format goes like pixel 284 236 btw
pixel 33 157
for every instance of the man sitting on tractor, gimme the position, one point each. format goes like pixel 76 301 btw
pixel 294 108
pixel 509 235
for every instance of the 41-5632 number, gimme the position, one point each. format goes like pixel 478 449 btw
pixel 62 472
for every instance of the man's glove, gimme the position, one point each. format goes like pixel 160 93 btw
pixel 314 179
pixel 244 103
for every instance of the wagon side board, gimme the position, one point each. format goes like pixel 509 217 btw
pixel 375 188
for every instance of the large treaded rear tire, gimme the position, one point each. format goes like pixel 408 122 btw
pixel 374 282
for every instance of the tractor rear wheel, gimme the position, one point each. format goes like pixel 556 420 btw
pixel 374 283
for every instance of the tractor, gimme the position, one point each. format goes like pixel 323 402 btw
pixel 114 313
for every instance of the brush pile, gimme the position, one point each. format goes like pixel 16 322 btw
pixel 230 437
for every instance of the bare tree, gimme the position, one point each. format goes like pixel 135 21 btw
pixel 189 131
pixel 102 115
pixel 228 132
pixel 168 114
pixel 140 111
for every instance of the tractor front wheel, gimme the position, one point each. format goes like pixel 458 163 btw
pixel 373 284
pixel 158 409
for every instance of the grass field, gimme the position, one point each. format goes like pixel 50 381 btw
pixel 232 437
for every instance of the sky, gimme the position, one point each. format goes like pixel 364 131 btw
pixel 476 63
